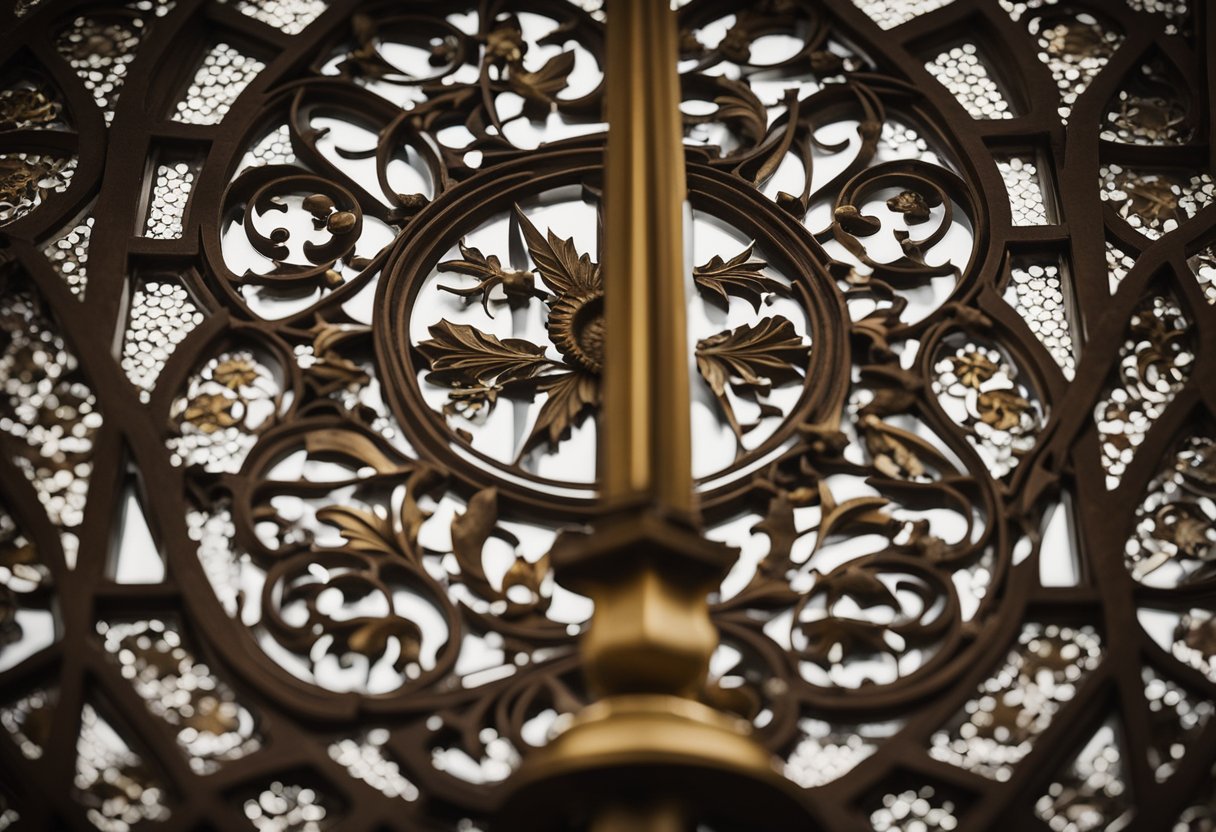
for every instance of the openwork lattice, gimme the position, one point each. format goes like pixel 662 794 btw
pixel 301 343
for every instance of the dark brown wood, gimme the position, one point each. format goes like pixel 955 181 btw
pixel 852 390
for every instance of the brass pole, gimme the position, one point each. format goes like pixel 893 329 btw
pixel 646 447
pixel 652 630
pixel 647 756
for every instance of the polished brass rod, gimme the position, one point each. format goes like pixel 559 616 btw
pixel 640 756
pixel 645 447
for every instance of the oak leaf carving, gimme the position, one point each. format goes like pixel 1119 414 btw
pixel 539 89
pixel 468 355
pixel 740 276
pixel 571 396
pixel 561 267
pixel 750 359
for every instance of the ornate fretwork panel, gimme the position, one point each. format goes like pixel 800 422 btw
pixel 302 353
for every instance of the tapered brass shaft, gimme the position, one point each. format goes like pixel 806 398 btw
pixel 647 756
pixel 651 632
pixel 645 452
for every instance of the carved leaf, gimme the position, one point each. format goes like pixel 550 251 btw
pixel 210 412
pixel 355 446
pixel 1187 526
pixel 470 531
pixel 235 373
pixel 363 531
pixel 750 359
pixel 891 456
pixel 518 286
pixel 24 108
pixel 474 263
pixel 890 451
pixel 505 44
pixel 752 356
pixel 561 267
pixel 471 402
pixel 1197 634
pixel 372 636
pixel 778 525
pixel 470 355
pixel 331 372
pixel 973 369
pixel 1002 409
pixel 859 584
pixel 741 106
pixel 854 638
pixel 1160 342
pixel 327 336
pixel 422 481
pixel 528 577
pixel 364 59
pixel 1152 200
pixel 571 395
pixel 740 276
pixel 540 88
pixel 856 516
pixel 824 441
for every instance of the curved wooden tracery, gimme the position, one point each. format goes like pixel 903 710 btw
pixel 312 291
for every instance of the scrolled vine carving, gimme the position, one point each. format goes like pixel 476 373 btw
pixel 331 208
pixel 378 355
pixel 349 593
pixel 881 615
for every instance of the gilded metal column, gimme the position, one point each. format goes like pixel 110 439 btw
pixel 647 756
pixel 645 451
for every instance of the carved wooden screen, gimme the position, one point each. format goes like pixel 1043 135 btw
pixel 301 345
